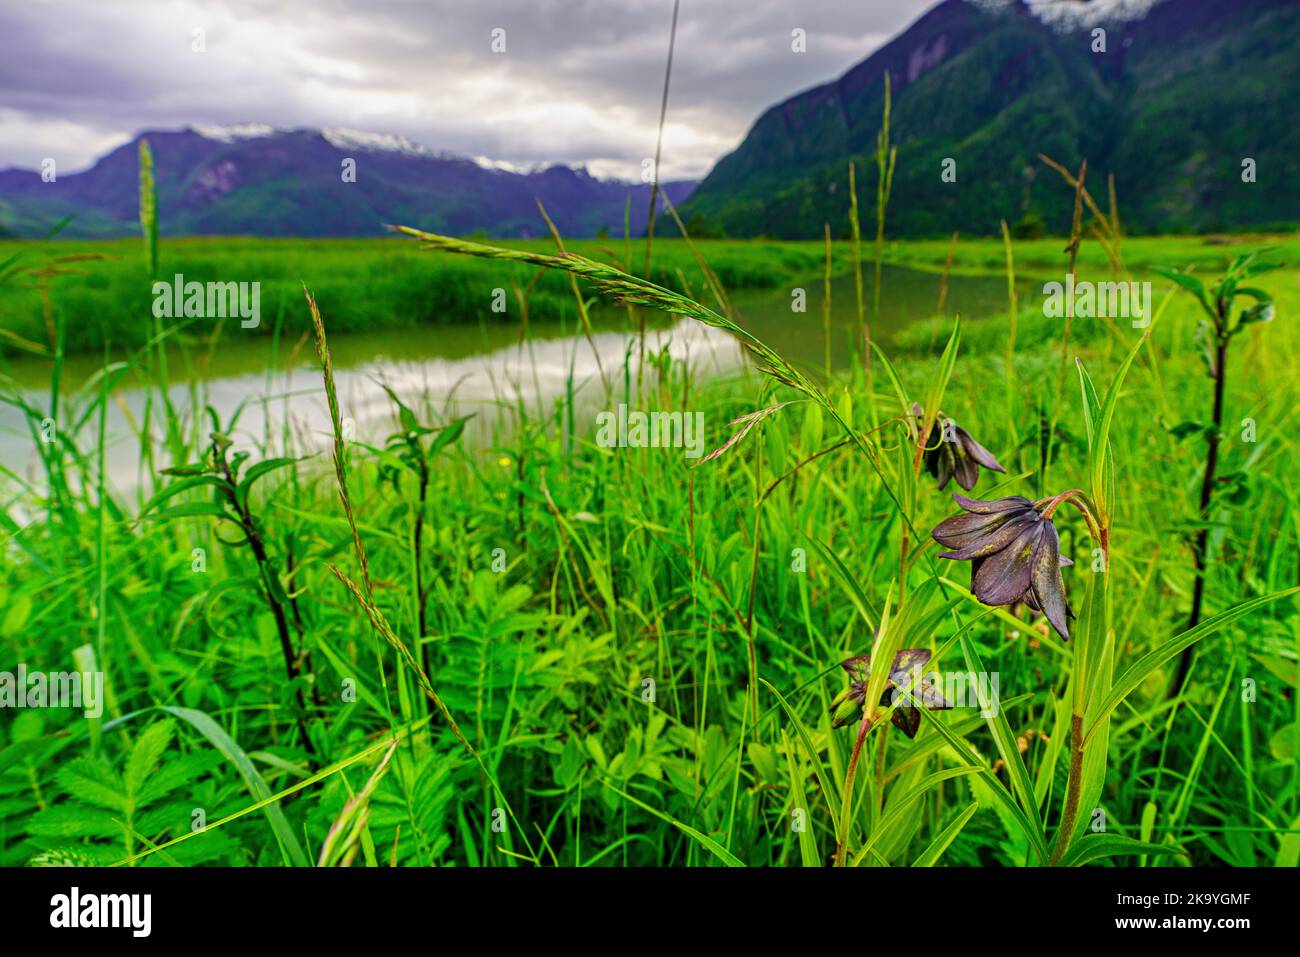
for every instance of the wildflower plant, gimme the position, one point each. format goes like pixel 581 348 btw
pixel 409 451
pixel 1222 321
pixel 1013 545
pixel 1014 551
pixel 222 472
pixel 906 688
pixel 951 452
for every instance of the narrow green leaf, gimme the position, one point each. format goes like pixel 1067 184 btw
pixel 850 584
pixel 448 435
pixel 233 753
pixel 1005 739
pixel 1144 666
pixel 1092 847
pixel 930 856
pixel 823 781
pixel 145 754
pixel 193 510
pixel 966 753
pixel 900 806
pixel 1103 476
pixel 799 801
pixel 262 468
pixel 185 485
pixel 704 840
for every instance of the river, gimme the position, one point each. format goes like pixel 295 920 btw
pixel 455 369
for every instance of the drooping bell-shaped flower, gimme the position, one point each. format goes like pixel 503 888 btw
pixel 951 452
pixel 905 683
pixel 1015 555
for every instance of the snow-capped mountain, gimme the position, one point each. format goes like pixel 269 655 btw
pixel 263 180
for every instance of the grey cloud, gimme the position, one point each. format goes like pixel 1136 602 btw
pixel 580 81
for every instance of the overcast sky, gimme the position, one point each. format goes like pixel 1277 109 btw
pixel 579 82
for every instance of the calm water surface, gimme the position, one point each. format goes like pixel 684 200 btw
pixel 458 368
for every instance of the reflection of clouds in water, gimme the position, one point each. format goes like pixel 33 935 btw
pixel 535 374
pixel 286 412
pixel 491 386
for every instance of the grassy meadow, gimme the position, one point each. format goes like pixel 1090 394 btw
pixel 540 651
pixel 97 296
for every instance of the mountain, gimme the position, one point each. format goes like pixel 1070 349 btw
pixel 1180 97
pixel 270 182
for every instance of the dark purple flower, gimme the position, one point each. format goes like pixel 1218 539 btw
pixel 904 676
pixel 951 452
pixel 1015 555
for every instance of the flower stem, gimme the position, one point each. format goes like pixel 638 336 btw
pixel 1079 500
pixel 1074 789
pixel 1200 550
pixel 848 786
pixel 918 458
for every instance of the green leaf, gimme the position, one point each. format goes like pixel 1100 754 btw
pixel 233 753
pixel 1260 312
pixel 1103 472
pixel 930 856
pixel 942 374
pixel 448 435
pixel 74 819
pixel 1091 678
pixel 1284 668
pixel 799 801
pixel 1253 292
pixel 893 375
pixel 1148 663
pixel 1288 846
pixel 1252 264
pixel 823 780
pixel 1091 403
pixel 1005 739
pixel 1092 847
pixel 850 584
pixel 1285 743
pixel 185 485
pixel 404 414
pixel 93 781
pixel 274 587
pixel 900 807
pixel 146 754
pixel 175 772
pixel 1187 282
pixel 260 469
pixel 966 752
pixel 703 840
pixel 194 510
pixel 23 750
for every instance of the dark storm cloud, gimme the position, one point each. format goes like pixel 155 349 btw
pixel 579 82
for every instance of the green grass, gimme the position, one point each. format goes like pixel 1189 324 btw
pixel 640 654
pixel 110 299
pixel 1045 257
pixel 103 294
